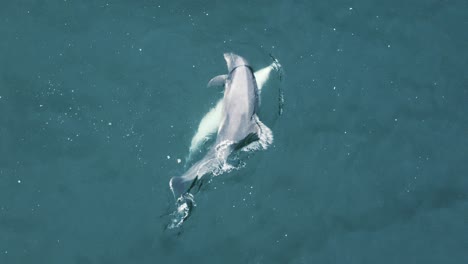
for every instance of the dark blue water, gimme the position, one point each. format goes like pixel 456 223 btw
pixel 369 162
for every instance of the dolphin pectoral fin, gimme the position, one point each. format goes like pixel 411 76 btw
pixel 259 138
pixel 218 80
pixel 250 138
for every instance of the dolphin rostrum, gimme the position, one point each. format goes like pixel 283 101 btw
pixel 239 126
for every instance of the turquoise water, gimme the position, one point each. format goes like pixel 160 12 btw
pixel 368 165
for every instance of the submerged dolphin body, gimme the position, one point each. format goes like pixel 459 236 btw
pixel 239 128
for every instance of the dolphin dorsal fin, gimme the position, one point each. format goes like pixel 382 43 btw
pixel 218 80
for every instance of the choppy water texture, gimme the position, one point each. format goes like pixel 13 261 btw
pixel 99 100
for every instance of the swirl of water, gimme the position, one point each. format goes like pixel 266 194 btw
pixel 184 204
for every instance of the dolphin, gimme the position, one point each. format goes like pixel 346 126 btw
pixel 239 126
pixel 209 124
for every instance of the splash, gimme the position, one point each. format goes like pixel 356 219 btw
pixel 184 204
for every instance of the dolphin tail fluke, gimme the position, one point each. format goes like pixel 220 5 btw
pixel 177 185
pixel 180 185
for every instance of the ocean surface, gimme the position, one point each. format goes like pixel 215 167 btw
pixel 99 101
